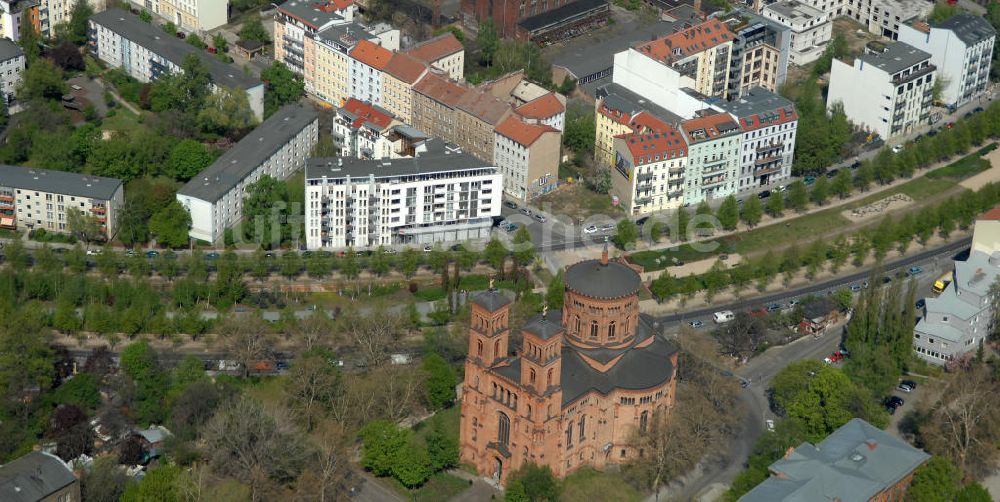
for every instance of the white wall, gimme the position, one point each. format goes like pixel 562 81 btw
pixel 202 217
pixel 654 81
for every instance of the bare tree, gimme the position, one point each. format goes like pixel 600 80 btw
pixel 315 331
pixel 741 336
pixel 323 480
pixel 311 387
pixel 258 447
pixel 965 425
pixel 373 334
pixel 246 340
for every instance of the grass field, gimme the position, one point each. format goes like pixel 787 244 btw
pixel 683 253
pixel 122 121
pixel 591 484
pixel 965 167
pixel 442 486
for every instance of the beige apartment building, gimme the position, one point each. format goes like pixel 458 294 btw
pixel 398 78
pixel 33 198
pixel 528 157
pixel 189 15
pixel 443 52
pixel 620 111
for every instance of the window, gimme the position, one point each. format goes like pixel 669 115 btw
pixel 577 325
pixel 643 421
pixel 531 376
pixel 593 330
pixel 583 423
pixel 479 348
pixel 503 429
pixel 496 349
pixel 611 331
pixel 548 378
pixel 475 427
pixel 569 435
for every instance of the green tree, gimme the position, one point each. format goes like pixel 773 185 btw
pixel 844 298
pixel 753 211
pixel 441 381
pixel 820 191
pixel 170 225
pixel 253 29
pixel 188 158
pixel 140 363
pixel 798 197
pixel 879 336
pixel 220 43
pixel 226 112
pixel 775 204
pixel 488 40
pixel 79 15
pixel 42 80
pixel 515 492
pixel 283 87
pixel 626 233
pixel 442 447
pixel 934 481
pixel 841 185
pixel 381 440
pixel 580 130
pixel 729 213
pixel 411 465
pixel 145 16
pixel 169 27
pixel 85 227
pixel 159 484
pixel 265 208
pixel 31 43
pixel 196 41
pixel 539 482
pixel 524 249
pixel 683 230
pixel 556 292
pixel 973 492
pixel 495 254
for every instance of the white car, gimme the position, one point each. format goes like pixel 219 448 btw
pixel 723 316
pixel 897 148
pixel 590 230
pixel 770 424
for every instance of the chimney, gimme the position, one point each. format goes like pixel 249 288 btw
pixel 604 254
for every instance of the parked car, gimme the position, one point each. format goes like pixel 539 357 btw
pixel 592 229
pixel 152 253
pixel 212 256
pixel 921 303
pixel 904 388
pixel 894 401
pixel 541 218
pixel 525 211
pixel 909 383
pixel 510 204
pixel 428 248
pixel 856 164
pixel 696 324
pixel 764 194
pixel 855 288
pixel 832 173
pixel 723 316
pixel 914 270
pixel 770 424
pixel 774 307
pixel 809 180
pixel 977 109
pixel 608 226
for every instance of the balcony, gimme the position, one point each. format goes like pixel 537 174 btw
pixel 642 201
pixel 644 178
pixel 710 182
pixel 914 75
pixel 768 147
pixel 764 161
pixel 675 193
pixel 98 209
pixel 676 170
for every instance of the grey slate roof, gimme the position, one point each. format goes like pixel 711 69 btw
pixel 592 279
pixel 491 300
pixel 546 326
pixel 619 98
pixel 305 11
pixel 854 463
pixel 33 477
pixel 818 308
pixel 251 151
pixel 62 182
pixel 977 273
pixel 9 50
pixel 898 56
pixel 756 101
pixel 561 14
pixel 969 28
pixel 939 330
pixel 438 159
pixel 171 48
pixel 638 368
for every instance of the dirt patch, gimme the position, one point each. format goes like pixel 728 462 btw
pixel 577 202
pixel 988 176
pixel 854 34
pixel 878 208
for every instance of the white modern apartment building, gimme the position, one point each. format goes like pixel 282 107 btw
pixel 122 40
pixel 188 15
pixel 961 317
pixel 441 195
pixel 361 130
pixel 888 93
pixel 881 17
pixel 32 199
pixel 277 147
pixel 713 167
pixel 767 123
pixel 649 171
pixel 527 156
pixel 961 48
pixel 811 28
pixel 12 64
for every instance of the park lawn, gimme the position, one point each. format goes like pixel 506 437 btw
pixel 123 120
pixel 683 252
pixel 965 167
pixel 450 416
pixel 442 486
pixel 590 484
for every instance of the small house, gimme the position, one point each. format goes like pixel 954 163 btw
pixel 818 316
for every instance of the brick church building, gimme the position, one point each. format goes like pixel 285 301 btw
pixel 583 380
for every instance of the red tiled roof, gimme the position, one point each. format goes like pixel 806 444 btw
pixel 436 48
pixel 690 41
pixel 922 26
pixel 484 106
pixel 404 67
pixel 440 89
pixel 645 121
pixel 521 132
pixel 655 146
pixel 371 54
pixel 713 126
pixel 992 214
pixel 543 107
pixel 613 114
pixel 365 113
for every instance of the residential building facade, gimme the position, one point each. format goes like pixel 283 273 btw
pixel 768 123
pixel 582 382
pixel 277 147
pixel 811 28
pixel 527 156
pixel 398 77
pixel 294 20
pixel 188 15
pixel 960 319
pixel 759 54
pixel 620 111
pixel 12 64
pixel 961 48
pixel 443 52
pixel 857 462
pixel 898 85
pixel 440 195
pixel 713 167
pixel 53 13
pixel 881 17
pixel 38 477
pixel 361 130
pixel 365 64
pixel 32 199
pixel 649 171
pixel 121 40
